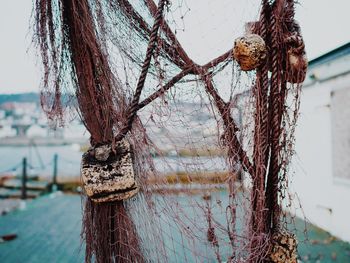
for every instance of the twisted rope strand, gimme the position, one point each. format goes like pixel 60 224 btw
pixel 276 99
pixel 132 111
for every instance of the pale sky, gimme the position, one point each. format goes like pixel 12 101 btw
pixel 210 29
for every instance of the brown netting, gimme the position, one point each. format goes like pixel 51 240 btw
pixel 221 198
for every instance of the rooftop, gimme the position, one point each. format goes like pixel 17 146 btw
pixel 331 55
pixel 332 65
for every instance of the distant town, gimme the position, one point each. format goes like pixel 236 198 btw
pixel 22 121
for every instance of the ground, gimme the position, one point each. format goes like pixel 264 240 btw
pixel 48 230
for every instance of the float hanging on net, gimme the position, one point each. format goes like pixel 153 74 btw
pixel 109 176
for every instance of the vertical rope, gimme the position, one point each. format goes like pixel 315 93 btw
pixel 263 82
pixel 276 100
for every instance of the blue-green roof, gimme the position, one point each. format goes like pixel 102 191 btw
pixel 331 55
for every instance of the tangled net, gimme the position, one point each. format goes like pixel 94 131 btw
pixel 225 206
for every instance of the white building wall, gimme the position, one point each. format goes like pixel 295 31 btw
pixel 7 131
pixel 36 131
pixel 325 199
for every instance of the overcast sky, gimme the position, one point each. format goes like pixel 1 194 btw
pixel 208 29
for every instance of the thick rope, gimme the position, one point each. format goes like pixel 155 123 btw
pixel 276 98
pixel 132 111
pixel 264 84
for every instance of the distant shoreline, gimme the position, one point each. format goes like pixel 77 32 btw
pixel 40 141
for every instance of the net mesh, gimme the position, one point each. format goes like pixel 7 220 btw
pixel 212 143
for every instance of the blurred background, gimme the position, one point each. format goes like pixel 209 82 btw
pixel 40 162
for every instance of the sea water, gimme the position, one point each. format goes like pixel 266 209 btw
pixel 40 161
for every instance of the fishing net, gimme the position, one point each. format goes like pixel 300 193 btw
pixel 206 146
